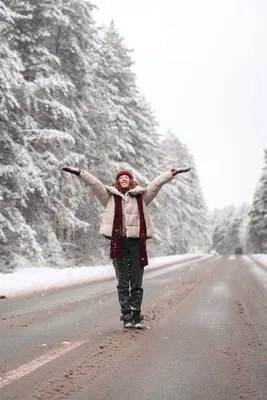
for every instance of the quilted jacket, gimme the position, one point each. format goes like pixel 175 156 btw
pixel 131 219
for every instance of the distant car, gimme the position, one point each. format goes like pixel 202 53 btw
pixel 239 251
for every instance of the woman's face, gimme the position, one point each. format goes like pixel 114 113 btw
pixel 124 181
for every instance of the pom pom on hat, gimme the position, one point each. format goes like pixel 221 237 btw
pixel 124 172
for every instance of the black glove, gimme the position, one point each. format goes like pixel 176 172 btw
pixel 72 170
pixel 180 171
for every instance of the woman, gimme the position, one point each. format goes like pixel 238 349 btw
pixel 126 223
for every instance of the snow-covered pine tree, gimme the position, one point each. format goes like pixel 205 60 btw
pixel 74 40
pixel 19 178
pixel 222 228
pixel 131 137
pixel 233 236
pixel 180 212
pixel 257 227
pixel 228 228
pixel 243 227
pixel 218 238
pixel 47 132
pixel 255 239
pixel 263 202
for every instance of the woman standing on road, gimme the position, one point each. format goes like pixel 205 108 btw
pixel 126 223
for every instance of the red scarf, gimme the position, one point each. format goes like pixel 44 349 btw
pixel 117 234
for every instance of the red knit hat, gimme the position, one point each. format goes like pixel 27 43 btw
pixel 124 172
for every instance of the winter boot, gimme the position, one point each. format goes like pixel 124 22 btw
pixel 137 319
pixel 127 320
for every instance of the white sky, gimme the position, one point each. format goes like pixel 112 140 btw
pixel 202 64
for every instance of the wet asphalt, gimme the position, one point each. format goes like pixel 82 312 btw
pixel 205 338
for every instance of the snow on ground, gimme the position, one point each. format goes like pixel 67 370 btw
pixel 231 258
pixel 26 280
pixel 259 272
pixel 261 258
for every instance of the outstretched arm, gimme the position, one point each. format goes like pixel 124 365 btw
pixel 154 186
pixel 98 189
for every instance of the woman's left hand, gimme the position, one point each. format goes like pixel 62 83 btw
pixel 180 171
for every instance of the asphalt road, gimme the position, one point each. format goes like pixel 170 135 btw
pixel 205 338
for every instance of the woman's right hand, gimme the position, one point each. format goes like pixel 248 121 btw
pixel 74 171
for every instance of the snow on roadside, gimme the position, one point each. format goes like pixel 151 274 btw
pixel 27 280
pixel 231 258
pixel 261 258
pixel 259 272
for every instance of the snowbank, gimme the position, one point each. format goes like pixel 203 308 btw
pixel 259 272
pixel 261 258
pixel 26 280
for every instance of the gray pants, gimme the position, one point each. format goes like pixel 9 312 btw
pixel 130 276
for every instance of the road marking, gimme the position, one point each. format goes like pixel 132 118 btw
pixel 26 369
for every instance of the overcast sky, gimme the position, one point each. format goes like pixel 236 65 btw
pixel 202 64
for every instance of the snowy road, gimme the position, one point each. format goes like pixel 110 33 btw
pixel 206 338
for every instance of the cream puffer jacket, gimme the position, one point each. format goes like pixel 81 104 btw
pixel 131 218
